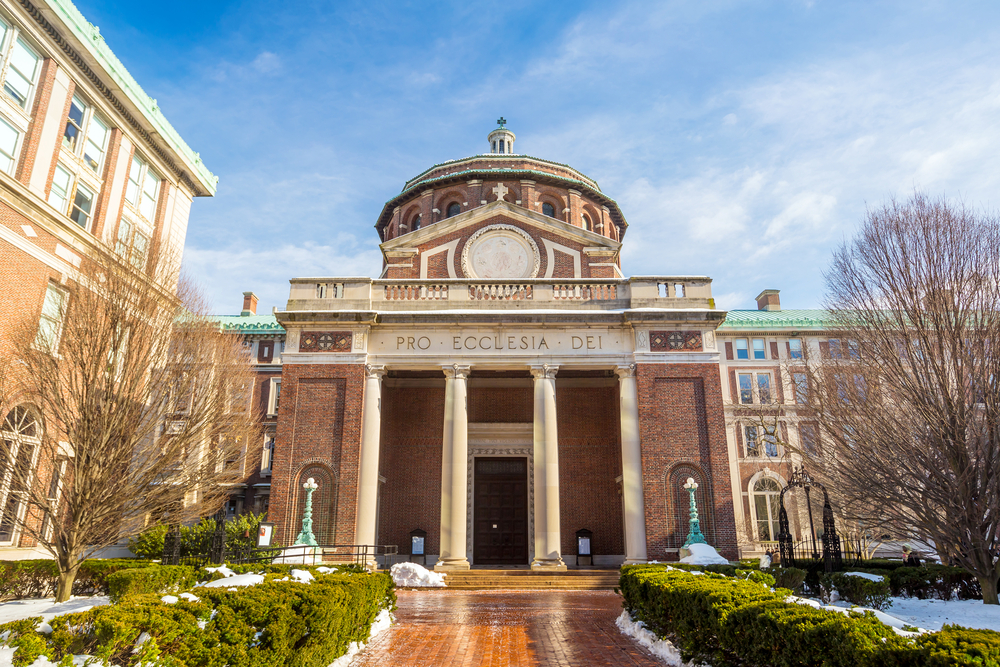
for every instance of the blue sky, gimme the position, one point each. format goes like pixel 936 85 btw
pixel 742 140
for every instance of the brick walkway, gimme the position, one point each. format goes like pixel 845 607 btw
pixel 505 629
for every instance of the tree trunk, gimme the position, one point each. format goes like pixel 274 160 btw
pixel 989 586
pixel 67 575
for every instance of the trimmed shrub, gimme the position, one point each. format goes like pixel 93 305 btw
pixel 273 623
pixel 38 578
pixel 156 579
pixel 739 622
pixel 861 591
pixel 241 533
pixel 791 578
pixel 939 582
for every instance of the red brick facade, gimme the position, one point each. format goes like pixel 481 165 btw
pixel 682 427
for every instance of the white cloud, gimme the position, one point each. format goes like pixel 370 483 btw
pixel 266 62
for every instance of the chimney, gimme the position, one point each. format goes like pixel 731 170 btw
pixel 768 300
pixel 249 304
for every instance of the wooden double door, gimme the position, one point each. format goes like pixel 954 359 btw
pixel 500 526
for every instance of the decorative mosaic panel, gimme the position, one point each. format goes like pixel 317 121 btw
pixel 675 341
pixel 325 341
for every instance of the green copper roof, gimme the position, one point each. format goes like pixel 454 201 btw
pixel 499 156
pixel 776 319
pixel 90 36
pixel 250 324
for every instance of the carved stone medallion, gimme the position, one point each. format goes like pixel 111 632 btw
pixel 500 252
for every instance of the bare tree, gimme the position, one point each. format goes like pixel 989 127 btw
pixel 138 406
pixel 908 393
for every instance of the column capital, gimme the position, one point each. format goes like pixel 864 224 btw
pixel 545 371
pixel 457 371
pixel 625 371
pixel 374 371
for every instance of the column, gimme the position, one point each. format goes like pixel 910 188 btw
pixel 548 538
pixel 454 471
pixel 371 424
pixel 635 514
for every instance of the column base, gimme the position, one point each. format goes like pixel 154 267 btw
pixel 452 564
pixel 556 565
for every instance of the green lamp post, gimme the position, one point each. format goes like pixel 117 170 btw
pixel 694 533
pixel 306 536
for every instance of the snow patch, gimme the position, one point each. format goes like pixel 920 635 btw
pixel 661 648
pixel 169 599
pixel 381 623
pixel 300 554
pixel 222 569
pixel 703 554
pixel 47 608
pixel 234 580
pixel 865 575
pixel 407 575
pixel 189 597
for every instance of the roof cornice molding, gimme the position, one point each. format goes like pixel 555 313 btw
pixel 87 36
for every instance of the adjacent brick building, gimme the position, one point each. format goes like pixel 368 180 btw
pixel 88 164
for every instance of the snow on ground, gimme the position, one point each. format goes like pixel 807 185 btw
pixel 926 615
pixel 300 554
pixel 47 608
pixel 661 648
pixel 865 575
pixel 236 580
pixel 407 575
pixel 703 554
pixel 382 622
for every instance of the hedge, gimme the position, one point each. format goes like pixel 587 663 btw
pixel 273 623
pixel 940 582
pixel 156 579
pixel 38 578
pixel 859 590
pixel 729 621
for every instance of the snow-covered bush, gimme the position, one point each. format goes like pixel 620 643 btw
pixel 282 621
pixel 733 621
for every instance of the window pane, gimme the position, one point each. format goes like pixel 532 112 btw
pixel 834 348
pixel 139 247
pixel 21 73
pixel 741 349
pixel 53 304
pixel 770 443
pixel 60 189
pixel 751 437
pixel 795 348
pixel 97 137
pixel 763 524
pixel 124 234
pixel 8 145
pixel 82 204
pixel 758 348
pixel 801 388
pixel 132 190
pixel 50 322
pixel 764 388
pixel 150 186
pixel 74 124
pixel 746 387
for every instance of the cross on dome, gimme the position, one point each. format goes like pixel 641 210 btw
pixel 501 191
pixel 502 122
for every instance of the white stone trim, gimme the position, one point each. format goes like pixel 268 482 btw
pixel 550 248
pixel 444 247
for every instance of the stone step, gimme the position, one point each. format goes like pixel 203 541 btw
pixel 532 580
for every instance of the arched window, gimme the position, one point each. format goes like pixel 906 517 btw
pixel 587 224
pixel 415 223
pixel 21 436
pixel 549 210
pixel 454 209
pixel 766 505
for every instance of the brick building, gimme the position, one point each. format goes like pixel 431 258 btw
pixel 87 163
pixel 501 385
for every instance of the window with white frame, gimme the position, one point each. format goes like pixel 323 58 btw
pixel 759 348
pixel 9 138
pixel 71 196
pixel 268 454
pixel 801 381
pixel 742 350
pixel 274 397
pixel 754 387
pixel 132 243
pixel 143 188
pixel 50 324
pixel 795 348
pixel 766 503
pixel 86 135
pixel 21 65
pixel 20 436
pixel 761 441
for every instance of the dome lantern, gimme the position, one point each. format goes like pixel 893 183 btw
pixel 501 139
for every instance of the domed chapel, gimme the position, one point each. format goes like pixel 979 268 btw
pixel 502 384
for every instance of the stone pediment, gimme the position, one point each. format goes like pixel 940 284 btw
pixel 514 215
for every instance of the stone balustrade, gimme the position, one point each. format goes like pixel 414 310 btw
pixel 657 292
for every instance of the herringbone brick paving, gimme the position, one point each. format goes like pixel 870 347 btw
pixel 505 629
